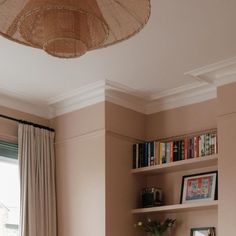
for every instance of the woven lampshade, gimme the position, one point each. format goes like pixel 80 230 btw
pixel 70 28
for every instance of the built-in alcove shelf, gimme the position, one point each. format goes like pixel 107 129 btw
pixel 195 163
pixel 178 208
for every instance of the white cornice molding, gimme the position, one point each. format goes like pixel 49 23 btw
pixel 215 67
pixel 77 99
pixel 187 97
pixel 201 87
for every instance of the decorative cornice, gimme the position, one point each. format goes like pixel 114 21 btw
pixel 203 86
pixel 187 97
pixel 215 67
pixel 77 99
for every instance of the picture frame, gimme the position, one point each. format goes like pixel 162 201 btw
pixel 199 187
pixel 206 231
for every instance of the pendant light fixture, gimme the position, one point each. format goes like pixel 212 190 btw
pixel 70 28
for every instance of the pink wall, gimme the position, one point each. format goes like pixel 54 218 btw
pixel 182 120
pixel 123 128
pixel 94 156
pixel 80 158
pixel 9 129
pixel 177 122
pixel 227 159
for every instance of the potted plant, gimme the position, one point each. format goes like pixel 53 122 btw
pixel 155 227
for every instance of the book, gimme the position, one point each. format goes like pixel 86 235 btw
pixel 185 148
pixel 179 150
pixel 191 148
pixel 141 155
pixel 134 156
pixel 156 152
pixel 207 144
pixel 152 153
pixel 168 150
pixel 196 146
pixel 171 151
pixel 162 153
pixel 182 149
pixel 202 145
pixel 137 156
pixel 175 151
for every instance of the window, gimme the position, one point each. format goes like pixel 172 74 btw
pixel 9 190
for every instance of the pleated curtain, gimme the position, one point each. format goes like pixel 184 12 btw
pixel 37 182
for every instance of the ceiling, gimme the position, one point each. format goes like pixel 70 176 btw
pixel 180 36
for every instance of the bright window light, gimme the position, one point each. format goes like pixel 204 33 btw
pixel 9 197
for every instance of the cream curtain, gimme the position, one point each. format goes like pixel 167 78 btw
pixel 37 182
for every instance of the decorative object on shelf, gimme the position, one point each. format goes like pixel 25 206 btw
pixel 181 148
pixel 199 187
pixel 151 197
pixel 155 227
pixel 68 29
pixel 207 231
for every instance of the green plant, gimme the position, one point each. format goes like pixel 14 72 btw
pixel 155 227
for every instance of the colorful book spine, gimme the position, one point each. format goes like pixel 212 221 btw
pixel 202 150
pixel 156 153
pixel 152 153
pixel 168 150
pixel 134 156
pixel 179 150
pixel 182 149
pixel 141 155
pixel 171 151
pixel 207 145
pixel 148 162
pixel 185 148
pixel 196 146
pixel 137 155
pixel 175 151
pixel 162 153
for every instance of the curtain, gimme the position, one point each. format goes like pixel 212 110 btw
pixel 37 182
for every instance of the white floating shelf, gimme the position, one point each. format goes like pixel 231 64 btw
pixel 178 208
pixel 183 165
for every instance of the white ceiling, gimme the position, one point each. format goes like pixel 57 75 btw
pixel 181 36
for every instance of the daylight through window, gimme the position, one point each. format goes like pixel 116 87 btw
pixel 9 190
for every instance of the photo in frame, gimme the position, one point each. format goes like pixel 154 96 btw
pixel 199 187
pixel 207 231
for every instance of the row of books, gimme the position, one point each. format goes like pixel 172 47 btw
pixel 158 152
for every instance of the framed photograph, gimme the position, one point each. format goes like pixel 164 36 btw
pixel 208 231
pixel 199 187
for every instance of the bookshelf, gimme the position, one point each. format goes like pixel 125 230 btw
pixel 178 208
pixel 195 163
pixel 168 177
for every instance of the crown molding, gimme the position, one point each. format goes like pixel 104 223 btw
pixel 202 86
pixel 215 67
pixel 77 99
pixel 187 97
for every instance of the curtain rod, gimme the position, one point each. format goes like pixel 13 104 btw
pixel 27 123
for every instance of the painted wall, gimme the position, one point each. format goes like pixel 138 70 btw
pixel 123 128
pixel 227 159
pixel 94 156
pixel 9 129
pixel 80 158
pixel 177 122
pixel 182 120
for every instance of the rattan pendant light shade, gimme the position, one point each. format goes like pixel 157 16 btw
pixel 70 28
